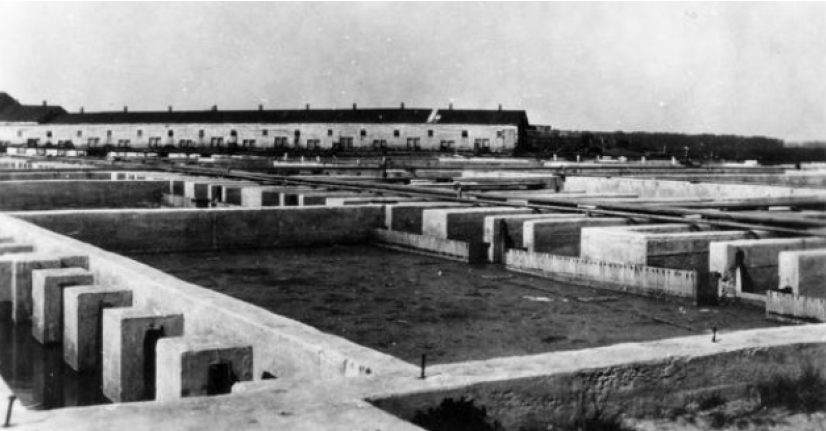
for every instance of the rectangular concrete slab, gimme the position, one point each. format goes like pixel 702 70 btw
pixel 407 216
pixel 562 236
pixel 19 281
pixel 804 271
pixel 47 300
pixel 756 259
pixel 128 335
pixel 82 322
pixel 462 224
pixel 504 232
pixel 199 366
pixel 10 248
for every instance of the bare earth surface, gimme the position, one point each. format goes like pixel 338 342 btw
pixel 406 304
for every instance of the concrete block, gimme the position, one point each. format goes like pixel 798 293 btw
pixel 504 232
pixel 16 280
pixel 130 336
pixel 198 366
pixel 804 271
pixel 462 224
pixel 407 216
pixel 47 300
pixel 561 236
pixel 755 259
pixel 82 322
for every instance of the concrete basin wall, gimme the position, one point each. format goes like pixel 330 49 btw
pixel 51 194
pixel 167 230
pixel 654 188
pixel 281 346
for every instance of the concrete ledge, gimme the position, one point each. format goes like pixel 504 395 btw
pixel 212 229
pixel 795 308
pixel 456 250
pixel 129 337
pixel 82 323
pixel 637 279
pixel 198 366
pixel 47 300
pixel 804 271
pixel 52 194
pixel 20 281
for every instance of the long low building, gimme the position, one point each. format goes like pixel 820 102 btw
pixel 405 129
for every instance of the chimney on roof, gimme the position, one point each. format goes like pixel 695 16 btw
pixel 214 108
pixel 44 103
pixel 450 107
pixel 169 108
pixel 307 107
pixel 500 107
pixel 355 107
pixel 402 107
pixel 125 109
pixel 260 107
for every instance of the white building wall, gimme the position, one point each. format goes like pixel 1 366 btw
pixel 500 137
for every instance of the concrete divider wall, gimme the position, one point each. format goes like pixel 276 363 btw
pixel 788 306
pixel 52 194
pixel 407 216
pixel 213 229
pixel 503 232
pixel 646 188
pixel 562 236
pixel 460 250
pixel 639 279
pixel 281 346
pixel 462 224
pixel 759 259
pixel 647 385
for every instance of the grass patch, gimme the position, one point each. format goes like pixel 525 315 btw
pixel 803 394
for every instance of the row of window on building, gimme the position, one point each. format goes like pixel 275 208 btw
pixel 264 132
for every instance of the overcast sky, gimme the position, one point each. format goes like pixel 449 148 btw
pixel 744 68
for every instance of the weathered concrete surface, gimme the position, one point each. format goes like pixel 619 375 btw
pixel 407 216
pixel 458 250
pixel 631 278
pixel 503 232
pixel 11 248
pixel 462 224
pixel 563 236
pixel 653 245
pixel 756 260
pixel 804 271
pixel 384 200
pixel 126 348
pixel 82 330
pixel 259 196
pixel 320 197
pixel 47 300
pixel 657 188
pixel 18 280
pixel 217 228
pixel 53 194
pixel 787 306
pixel 184 365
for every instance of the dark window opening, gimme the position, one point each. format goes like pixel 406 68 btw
pixel 297 132
pixel 201 133
pixel 170 133
pixel 396 133
pixel 150 343
pixel 266 375
pixel 233 133
pixel 79 133
pixel 363 132
pixel 430 133
pixel 329 132
pixel 49 134
pixel 265 132
pixel 220 378
pixel 140 133
pixel 464 133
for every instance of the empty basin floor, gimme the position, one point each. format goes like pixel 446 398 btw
pixel 407 304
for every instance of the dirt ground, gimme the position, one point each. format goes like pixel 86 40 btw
pixel 406 304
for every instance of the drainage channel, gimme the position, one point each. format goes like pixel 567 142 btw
pixel 37 374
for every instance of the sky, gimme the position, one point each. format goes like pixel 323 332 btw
pixel 740 68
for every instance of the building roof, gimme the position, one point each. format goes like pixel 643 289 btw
pixel 370 115
pixel 11 111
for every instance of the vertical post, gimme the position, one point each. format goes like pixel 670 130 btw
pixel 8 411
pixel 424 364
